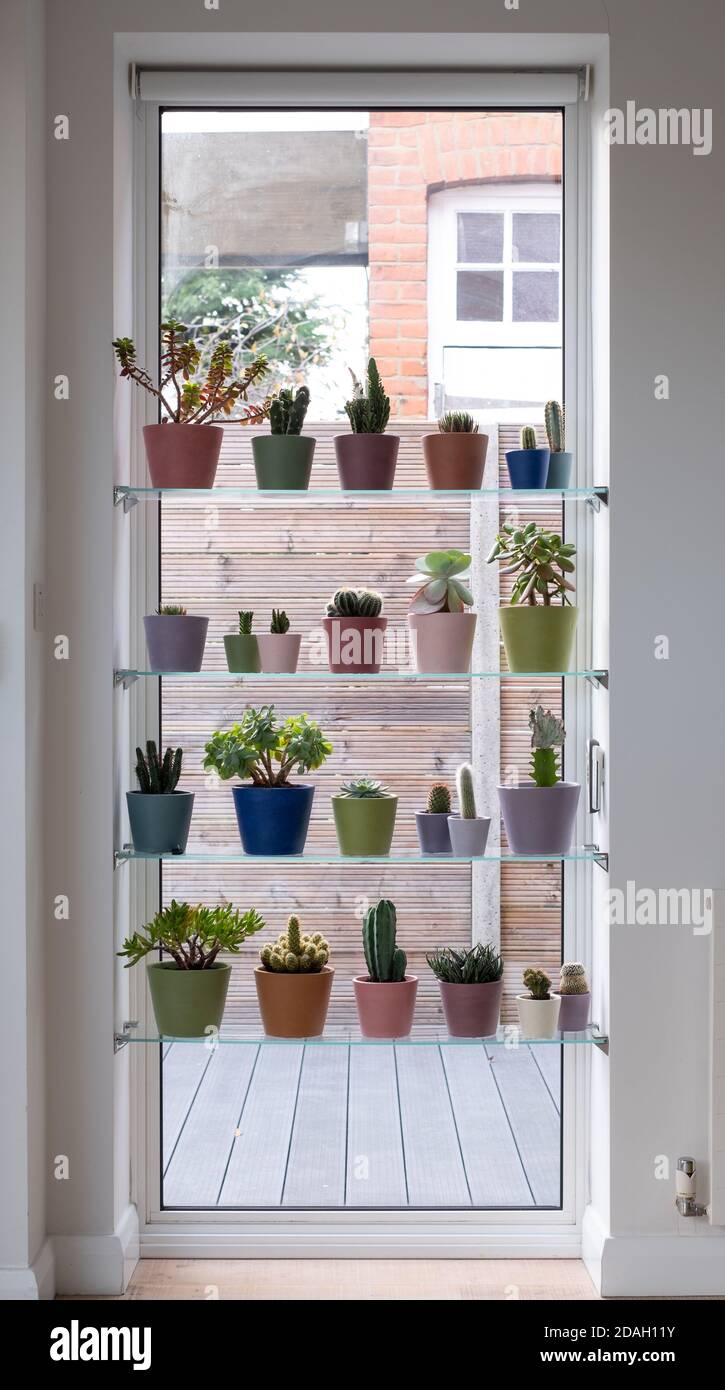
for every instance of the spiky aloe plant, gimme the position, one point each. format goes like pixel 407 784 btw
pixel 280 621
pixel 457 422
pixel 440 578
pixel 573 978
pixel 385 961
pixel 527 437
pixel 547 734
pixel 355 603
pixel 287 412
pixel 368 412
pixel 295 954
pixel 158 776
pixel 245 624
pixel 538 984
pixel 363 788
pixel 555 420
pixel 439 800
pixel 466 794
pixel 482 965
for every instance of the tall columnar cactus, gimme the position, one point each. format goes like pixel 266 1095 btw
pixel 466 794
pixel 245 624
pixel 537 983
pixel 439 800
pixel 573 978
pixel 547 735
pixel 355 603
pixel 369 412
pixel 280 621
pixel 385 961
pixel 158 776
pixel 293 953
pixel 555 426
pixel 528 437
pixel 287 412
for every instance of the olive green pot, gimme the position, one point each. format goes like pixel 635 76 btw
pixel 242 652
pixel 283 461
pixel 538 637
pixel 364 824
pixel 187 1002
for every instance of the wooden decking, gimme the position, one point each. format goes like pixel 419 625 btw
pixel 348 1125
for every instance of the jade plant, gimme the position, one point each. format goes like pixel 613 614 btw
pixel 547 735
pixel 368 410
pixel 186 399
pixel 158 776
pixel 538 984
pixel 466 794
pixel 363 788
pixel 555 420
pixel 457 422
pixel 280 622
pixel 573 978
pixel 481 965
pixel 440 579
pixel 287 411
pixel 540 561
pixel 439 800
pixel 293 953
pixel 267 749
pixel 385 960
pixel 355 603
pixel 192 936
pixel 171 610
pixel 527 437
pixel 245 623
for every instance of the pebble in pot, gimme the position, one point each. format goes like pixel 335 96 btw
pixel 468 831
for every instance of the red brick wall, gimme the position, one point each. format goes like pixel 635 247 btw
pixel 412 154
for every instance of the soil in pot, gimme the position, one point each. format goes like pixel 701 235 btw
pixel 469 837
pixel 242 652
pixel 538 1018
pixel 366 461
pixel 175 643
pixel 455 460
pixel 539 820
pixel 364 824
pixel 160 821
pixel 442 641
pixel 559 474
pixel 537 636
pixel 528 468
pixel 273 820
pixel 471 1011
pixel 355 646
pixel 574 1012
pixel 182 455
pixel 283 461
pixel 433 834
pixel 187 1002
pixel 279 651
pixel 295 1005
pixel 385 1010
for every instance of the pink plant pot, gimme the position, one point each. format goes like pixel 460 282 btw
pixel 182 455
pixel 279 651
pixel 366 461
pixel 471 1011
pixel 355 646
pixel 442 641
pixel 385 1010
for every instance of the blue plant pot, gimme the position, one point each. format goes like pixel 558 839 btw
pixel 273 820
pixel 528 468
pixel 559 474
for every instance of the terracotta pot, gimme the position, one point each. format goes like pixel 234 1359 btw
pixel 442 641
pixel 385 1010
pixel 175 643
pixel 293 1006
pixel 574 1012
pixel 471 1011
pixel 455 460
pixel 538 637
pixel 355 646
pixel 187 1002
pixel 182 455
pixel 366 461
pixel 279 651
pixel 469 837
pixel 539 820
pixel 538 1018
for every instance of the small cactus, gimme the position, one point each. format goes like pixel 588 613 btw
pixel 547 734
pixel 295 954
pixel 245 624
pixel 537 983
pixel 368 414
pixel 287 412
pixel 385 961
pixel 457 422
pixel 158 776
pixel 573 978
pixel 528 437
pixel 466 794
pixel 171 610
pixel 355 603
pixel 280 621
pixel 555 426
pixel 439 800
pixel 363 788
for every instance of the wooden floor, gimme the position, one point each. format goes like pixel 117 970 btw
pixel 385 1126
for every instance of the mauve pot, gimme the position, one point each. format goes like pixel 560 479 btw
pixel 442 641
pixel 366 461
pixel 454 460
pixel 469 837
pixel 433 834
pixel 539 820
pixel 355 646
pixel 385 1009
pixel 471 1011
pixel 187 1002
pixel 160 821
pixel 283 461
pixel 175 643
pixel 559 474
pixel 273 820
pixel 528 468
pixel 183 455
pixel 574 1012
pixel 279 651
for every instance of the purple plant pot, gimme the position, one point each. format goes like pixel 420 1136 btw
pixel 175 643
pixel 539 820
pixel 471 1011
pixel 574 1012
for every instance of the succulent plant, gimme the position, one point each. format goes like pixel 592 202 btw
pixel 555 419
pixel 439 800
pixel 539 559
pixel 295 954
pixel 267 749
pixel 527 437
pixel 192 936
pixel 573 978
pixel 245 624
pixel 440 582
pixel 158 776
pixel 186 401
pixel 363 788
pixel 171 610
pixel 537 983
pixel 355 603
pixel 368 413
pixel 280 621
pixel 481 965
pixel 457 422
pixel 547 734
pixel 287 412
pixel 386 962
pixel 466 794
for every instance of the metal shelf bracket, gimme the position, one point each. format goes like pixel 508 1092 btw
pixel 121 497
pixel 122 1039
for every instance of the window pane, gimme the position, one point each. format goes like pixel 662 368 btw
pixel 536 296
pixel 536 236
pixel 480 236
pixel 479 295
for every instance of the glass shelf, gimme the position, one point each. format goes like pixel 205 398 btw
pixel 129 496
pixel 126 677
pixel 338 1035
pixel 234 854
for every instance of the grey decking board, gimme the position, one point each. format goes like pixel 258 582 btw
pixel 317 1157
pixel 196 1171
pixel 375 1165
pixel 258 1162
pixel 496 1176
pixel 548 1060
pixel 184 1066
pixel 533 1117
pixel 433 1163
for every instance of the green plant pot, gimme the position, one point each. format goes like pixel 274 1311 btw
pixel 364 824
pixel 538 638
pixel 187 1002
pixel 283 461
pixel 242 652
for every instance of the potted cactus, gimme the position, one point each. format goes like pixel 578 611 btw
pixel 538 624
pixel 242 647
pixel 471 985
pixel 293 983
pixel 456 455
pixel 385 997
pixel 175 639
pixel 528 466
pixel 273 814
pixel 283 458
pixel 366 458
pixel 279 649
pixel 159 814
pixel 538 1008
pixel 575 997
pixel 559 474
pixel 183 451
pixel 189 991
pixel 364 812
pixel 355 632
pixel 432 824
pixel 441 630
pixel 539 816
pixel 468 831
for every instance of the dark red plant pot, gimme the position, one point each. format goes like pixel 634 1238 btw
pixel 355 646
pixel 366 461
pixel 183 455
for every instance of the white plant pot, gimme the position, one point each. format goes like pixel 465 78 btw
pixel 538 1018
pixel 468 837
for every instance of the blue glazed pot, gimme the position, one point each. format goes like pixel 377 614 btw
pixel 559 474
pixel 528 468
pixel 273 820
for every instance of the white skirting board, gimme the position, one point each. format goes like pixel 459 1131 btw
pixel 654 1266
pixel 32 1284
pixel 98 1264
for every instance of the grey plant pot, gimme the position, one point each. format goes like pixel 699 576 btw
pixel 539 820
pixel 433 834
pixel 468 837
pixel 559 474
pixel 574 1012
pixel 175 643
pixel 160 821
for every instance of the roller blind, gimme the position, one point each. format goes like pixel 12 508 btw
pixel 314 88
